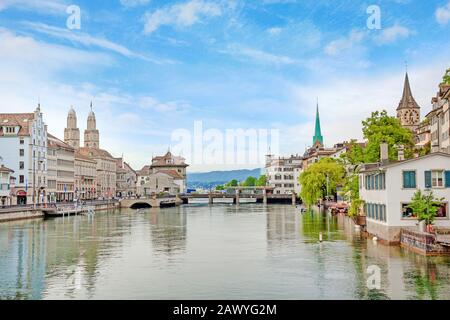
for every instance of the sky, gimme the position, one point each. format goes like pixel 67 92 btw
pixel 151 67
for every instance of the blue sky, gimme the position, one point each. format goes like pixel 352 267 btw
pixel 153 66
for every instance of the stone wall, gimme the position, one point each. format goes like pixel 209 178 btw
pixel 386 234
pixel 422 243
pixel 21 215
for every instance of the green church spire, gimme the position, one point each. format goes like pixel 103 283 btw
pixel 318 138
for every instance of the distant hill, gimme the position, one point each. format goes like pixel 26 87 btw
pixel 214 178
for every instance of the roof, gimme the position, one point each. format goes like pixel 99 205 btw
pixel 407 101
pixel 145 171
pixel 95 153
pixel 81 156
pixel 161 161
pixel 22 120
pixel 54 141
pixel 5 169
pixel 173 173
pixel 390 164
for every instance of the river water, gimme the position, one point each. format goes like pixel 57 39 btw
pixel 197 251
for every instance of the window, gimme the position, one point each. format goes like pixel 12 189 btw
pixel 21 179
pixel 409 179
pixel 21 165
pixel 22 152
pixel 437 179
pixel 22 141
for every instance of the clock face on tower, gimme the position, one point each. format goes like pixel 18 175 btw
pixel 410 117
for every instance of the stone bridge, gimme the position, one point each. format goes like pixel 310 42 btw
pixel 150 202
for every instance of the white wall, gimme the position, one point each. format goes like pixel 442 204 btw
pixel 395 195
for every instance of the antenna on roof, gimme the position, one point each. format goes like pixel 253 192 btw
pixel 406 66
pixel 91 105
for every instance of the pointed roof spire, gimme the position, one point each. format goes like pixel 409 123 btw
pixel 318 138
pixel 407 101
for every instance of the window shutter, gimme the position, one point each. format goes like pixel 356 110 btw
pixel 428 179
pixel 405 179
pixel 413 180
pixel 447 179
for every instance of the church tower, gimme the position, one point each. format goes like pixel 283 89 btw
pixel 91 134
pixel 318 138
pixel 71 132
pixel 408 111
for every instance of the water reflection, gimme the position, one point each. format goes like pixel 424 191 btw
pixel 201 251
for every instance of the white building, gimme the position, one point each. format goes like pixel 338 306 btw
pixel 166 181
pixel 283 173
pixel 388 187
pixel 23 147
pixel 5 186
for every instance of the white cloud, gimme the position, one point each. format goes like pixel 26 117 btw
pixel 134 3
pixel 345 101
pixel 443 14
pixel 88 40
pixel 392 34
pixel 43 6
pixel 257 55
pixel 181 15
pixel 342 44
pixel 274 31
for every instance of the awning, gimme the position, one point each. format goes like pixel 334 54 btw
pixel 21 193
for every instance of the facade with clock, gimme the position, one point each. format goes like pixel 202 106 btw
pixel 408 111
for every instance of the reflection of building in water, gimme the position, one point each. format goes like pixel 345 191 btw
pixel 168 230
pixel 22 262
pixel 76 248
pixel 282 224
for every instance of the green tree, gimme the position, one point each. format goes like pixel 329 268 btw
pixel 262 181
pixel 446 78
pixel 381 127
pixel 220 188
pixel 320 179
pixel 249 182
pixel 232 183
pixel 354 154
pixel 425 206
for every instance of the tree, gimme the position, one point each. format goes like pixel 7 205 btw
pixel 354 154
pixel 232 183
pixel 262 181
pixel 425 206
pixel 381 127
pixel 320 179
pixel 249 182
pixel 220 188
pixel 446 78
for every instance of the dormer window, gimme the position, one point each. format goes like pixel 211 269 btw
pixel 10 129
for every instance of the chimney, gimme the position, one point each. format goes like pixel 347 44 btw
pixel 384 152
pixel 401 153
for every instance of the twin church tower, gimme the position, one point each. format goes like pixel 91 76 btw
pixel 72 133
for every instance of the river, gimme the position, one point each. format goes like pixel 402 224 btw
pixel 197 251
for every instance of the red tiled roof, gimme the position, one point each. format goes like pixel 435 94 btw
pixel 5 169
pixel 22 120
pixel 173 173
pixel 54 141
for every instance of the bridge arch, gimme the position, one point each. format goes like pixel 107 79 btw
pixel 140 205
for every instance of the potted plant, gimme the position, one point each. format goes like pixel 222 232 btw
pixel 425 207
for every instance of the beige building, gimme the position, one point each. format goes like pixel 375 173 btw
pixel 105 164
pixel 166 174
pixel 126 179
pixel 63 155
pixel 439 119
pixel 283 173
pixel 85 177
pixel 165 181
pixel 172 165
